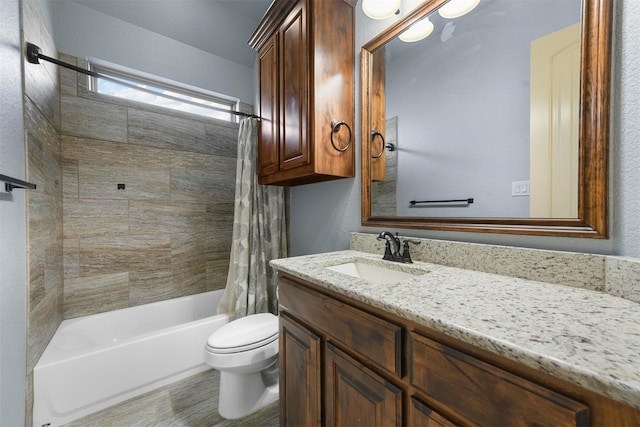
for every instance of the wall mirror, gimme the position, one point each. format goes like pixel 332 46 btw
pixel 497 121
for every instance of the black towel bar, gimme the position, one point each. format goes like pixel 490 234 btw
pixel 11 183
pixel 415 202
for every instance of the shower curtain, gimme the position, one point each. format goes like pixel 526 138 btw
pixel 259 234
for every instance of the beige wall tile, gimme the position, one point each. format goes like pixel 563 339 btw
pixel 36 277
pixel 217 272
pixel 43 151
pixel 100 181
pixel 161 216
pixel 71 255
pixel 94 150
pixel 151 286
pixel 223 139
pixel 197 185
pixel 91 119
pixel 95 294
pixel 106 255
pixel 149 157
pixel 90 218
pixel 166 131
pixel 188 262
pixel 40 87
pixel 204 162
pixel 103 255
pixel 70 179
pixel 68 78
pixel 45 220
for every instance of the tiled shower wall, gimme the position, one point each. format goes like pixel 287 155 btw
pixel 168 232
pixel 44 204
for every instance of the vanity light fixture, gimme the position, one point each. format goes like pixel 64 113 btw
pixel 417 31
pixel 457 8
pixel 380 9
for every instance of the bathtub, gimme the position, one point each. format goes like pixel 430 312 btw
pixel 96 361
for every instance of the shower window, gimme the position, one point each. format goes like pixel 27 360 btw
pixel 143 88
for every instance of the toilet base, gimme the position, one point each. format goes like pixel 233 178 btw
pixel 243 394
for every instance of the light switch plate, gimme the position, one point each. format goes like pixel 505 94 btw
pixel 520 188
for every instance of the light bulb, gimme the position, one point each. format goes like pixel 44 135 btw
pixel 417 31
pixel 457 8
pixel 380 9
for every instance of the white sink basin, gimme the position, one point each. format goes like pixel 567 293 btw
pixel 375 273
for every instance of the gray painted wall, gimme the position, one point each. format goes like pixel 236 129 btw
pixel 324 214
pixel 625 143
pixel 12 223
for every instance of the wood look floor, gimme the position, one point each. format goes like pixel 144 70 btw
pixel 192 402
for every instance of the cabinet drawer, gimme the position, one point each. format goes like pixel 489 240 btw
pixel 375 339
pixel 487 395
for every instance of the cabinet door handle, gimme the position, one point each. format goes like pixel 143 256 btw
pixel 335 127
pixel 382 146
pixel 389 146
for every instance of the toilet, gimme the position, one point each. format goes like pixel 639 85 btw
pixel 245 351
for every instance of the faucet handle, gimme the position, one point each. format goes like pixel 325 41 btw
pixel 413 242
pixel 406 256
pixel 388 255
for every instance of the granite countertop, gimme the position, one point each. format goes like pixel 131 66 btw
pixel 585 337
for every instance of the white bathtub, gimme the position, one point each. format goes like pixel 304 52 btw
pixel 96 361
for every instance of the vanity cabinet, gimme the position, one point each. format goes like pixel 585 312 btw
pixel 343 362
pixel 485 394
pixel 306 76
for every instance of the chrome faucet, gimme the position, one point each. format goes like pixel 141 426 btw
pixel 394 241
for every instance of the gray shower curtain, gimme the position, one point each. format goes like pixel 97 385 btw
pixel 259 234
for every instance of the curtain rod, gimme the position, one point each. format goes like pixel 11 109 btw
pixel 34 55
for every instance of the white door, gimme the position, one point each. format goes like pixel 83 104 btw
pixel 555 109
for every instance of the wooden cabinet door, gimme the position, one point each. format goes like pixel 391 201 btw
pixel 300 375
pixel 269 114
pixel 485 394
pixel 356 396
pixel 420 415
pixel 294 89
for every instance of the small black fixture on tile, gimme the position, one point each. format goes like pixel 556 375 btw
pixel 121 186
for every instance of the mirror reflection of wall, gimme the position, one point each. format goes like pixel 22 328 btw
pixel 461 98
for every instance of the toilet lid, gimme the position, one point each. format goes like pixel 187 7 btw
pixel 245 333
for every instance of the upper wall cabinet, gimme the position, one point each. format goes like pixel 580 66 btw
pixel 306 73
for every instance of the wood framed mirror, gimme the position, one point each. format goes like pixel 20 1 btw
pixel 386 170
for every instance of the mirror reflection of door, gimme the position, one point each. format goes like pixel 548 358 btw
pixel 555 97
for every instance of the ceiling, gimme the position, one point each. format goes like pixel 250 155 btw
pixel 220 27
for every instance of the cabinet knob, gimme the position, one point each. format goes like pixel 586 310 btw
pixel 335 127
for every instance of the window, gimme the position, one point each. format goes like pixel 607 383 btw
pixel 135 86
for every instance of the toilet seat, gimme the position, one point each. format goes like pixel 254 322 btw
pixel 244 334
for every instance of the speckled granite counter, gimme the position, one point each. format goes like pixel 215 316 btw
pixel 585 337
